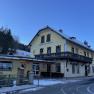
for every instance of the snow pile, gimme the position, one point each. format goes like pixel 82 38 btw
pixel 47 82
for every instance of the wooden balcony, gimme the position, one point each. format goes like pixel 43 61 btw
pixel 64 55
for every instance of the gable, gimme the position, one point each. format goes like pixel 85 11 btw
pixel 44 32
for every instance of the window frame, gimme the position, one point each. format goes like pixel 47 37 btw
pixel 48 39
pixel 41 52
pixel 48 48
pixel 73 68
pixel 6 66
pixel 72 49
pixel 43 39
pixel 58 47
pixel 58 67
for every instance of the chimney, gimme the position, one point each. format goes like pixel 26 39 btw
pixel 89 46
pixel 72 37
pixel 86 43
pixel 60 30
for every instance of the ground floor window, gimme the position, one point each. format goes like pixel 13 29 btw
pixel 58 67
pixel 93 69
pixel 5 66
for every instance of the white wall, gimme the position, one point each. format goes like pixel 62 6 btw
pixel 69 72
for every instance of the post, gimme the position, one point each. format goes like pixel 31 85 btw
pixel 38 76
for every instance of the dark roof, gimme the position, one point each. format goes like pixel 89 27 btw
pixel 75 41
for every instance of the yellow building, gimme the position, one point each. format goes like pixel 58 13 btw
pixel 16 65
pixel 71 57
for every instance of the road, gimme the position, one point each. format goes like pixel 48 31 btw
pixel 81 87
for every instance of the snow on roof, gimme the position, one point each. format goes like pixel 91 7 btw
pixel 69 38
pixel 64 36
pixel 22 53
pixel 74 40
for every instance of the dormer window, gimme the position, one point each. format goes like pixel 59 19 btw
pixel 48 38
pixel 42 39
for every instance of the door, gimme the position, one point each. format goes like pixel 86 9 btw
pixel 86 70
pixel 35 69
pixel 48 68
pixel 20 75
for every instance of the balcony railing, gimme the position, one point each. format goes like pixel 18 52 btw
pixel 64 55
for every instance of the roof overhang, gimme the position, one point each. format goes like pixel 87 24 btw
pixel 24 59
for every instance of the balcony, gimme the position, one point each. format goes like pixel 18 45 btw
pixel 64 55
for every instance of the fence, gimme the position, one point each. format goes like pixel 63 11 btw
pixel 7 80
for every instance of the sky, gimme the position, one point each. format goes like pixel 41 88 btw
pixel 26 17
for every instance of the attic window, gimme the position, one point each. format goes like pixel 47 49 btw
pixel 42 39
pixel 48 38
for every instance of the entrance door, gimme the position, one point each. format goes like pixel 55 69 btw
pixel 86 70
pixel 48 68
pixel 35 69
pixel 20 75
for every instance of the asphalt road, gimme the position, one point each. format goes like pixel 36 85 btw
pixel 82 87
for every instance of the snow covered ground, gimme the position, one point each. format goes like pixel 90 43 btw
pixel 47 82
pixel 42 83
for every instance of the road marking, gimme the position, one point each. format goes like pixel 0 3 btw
pixel 88 89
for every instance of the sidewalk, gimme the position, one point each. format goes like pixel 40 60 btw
pixel 5 90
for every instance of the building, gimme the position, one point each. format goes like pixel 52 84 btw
pixel 71 58
pixel 11 65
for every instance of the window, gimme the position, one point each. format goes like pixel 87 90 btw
pixel 77 51
pixel 49 50
pixel 84 53
pixel 58 67
pixel 91 55
pixel 58 49
pixel 48 38
pixel 73 68
pixel 42 39
pixel 89 69
pixel 93 69
pixel 87 54
pixel 72 50
pixel 5 66
pixel 78 68
pixel 41 51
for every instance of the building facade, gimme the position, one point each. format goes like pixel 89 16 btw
pixel 70 57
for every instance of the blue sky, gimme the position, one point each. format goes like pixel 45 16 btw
pixel 26 17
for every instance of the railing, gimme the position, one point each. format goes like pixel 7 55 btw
pixel 7 80
pixel 64 55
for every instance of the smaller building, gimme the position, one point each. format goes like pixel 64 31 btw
pixel 16 65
